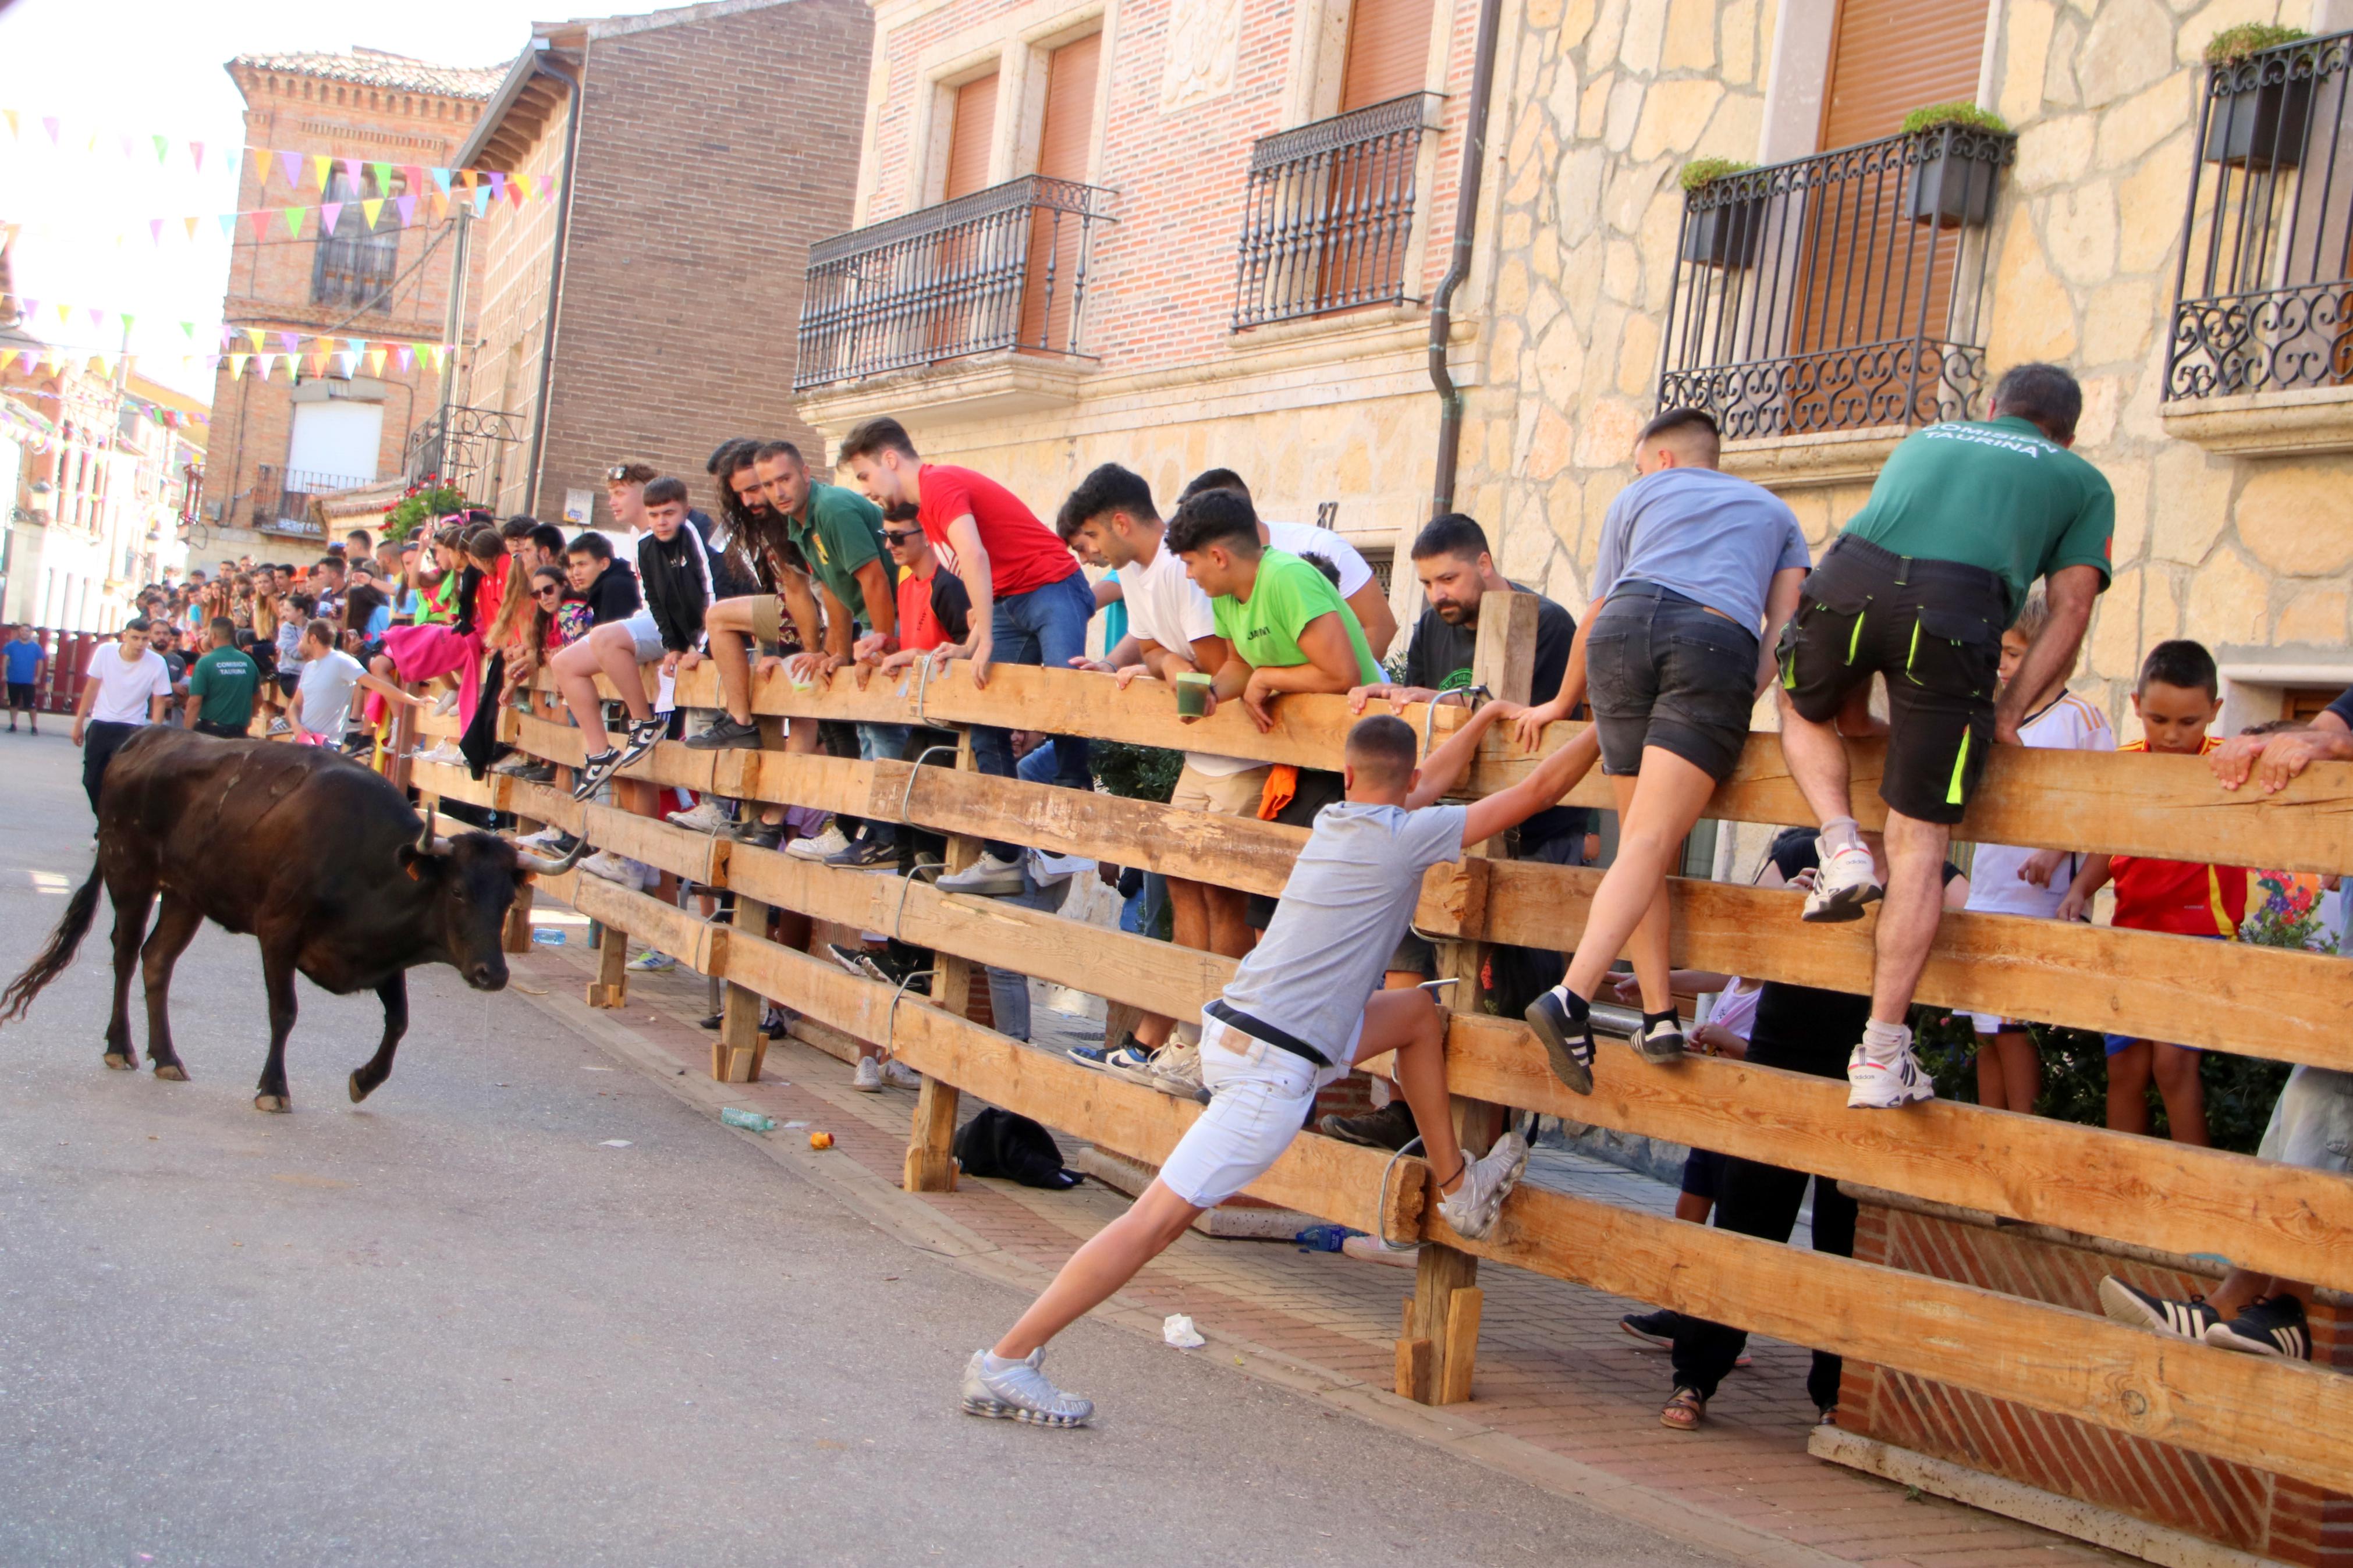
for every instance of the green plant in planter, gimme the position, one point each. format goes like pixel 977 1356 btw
pixel 423 503
pixel 1955 113
pixel 1724 235
pixel 2233 45
pixel 1135 773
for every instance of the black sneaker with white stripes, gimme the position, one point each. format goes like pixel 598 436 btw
pixel 1563 1021
pixel 1661 1040
pixel 2274 1327
pixel 2183 1320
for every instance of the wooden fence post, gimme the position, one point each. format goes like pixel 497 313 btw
pixel 931 1142
pixel 1440 1341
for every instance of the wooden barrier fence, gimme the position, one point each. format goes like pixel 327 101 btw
pixel 2286 1417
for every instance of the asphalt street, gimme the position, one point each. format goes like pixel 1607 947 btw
pixel 526 1307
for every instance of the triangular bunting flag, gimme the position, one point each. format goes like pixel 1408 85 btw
pixel 372 208
pixel 188 331
pixel 155 229
pixel 49 124
pixel 291 163
pixel 128 319
pixel 481 201
pixel 468 176
pixel 408 205
pixel 260 224
pixel 228 225
pixel 519 187
pixel 352 171
pixel 408 357
pixel 497 185
pixel 196 156
pixel 162 148
pixel 330 214
pixel 254 336
pixel 441 180
pixel 350 364
pixel 236 368
pixel 98 318
pixel 192 222
pixel 547 187
pixel 127 146
pixel 261 164
pixel 10 116
pixel 383 172
pixel 440 207
pixel 376 362
pixel 432 353
pixel 289 341
pixel 7 356
pixel 320 164
pixel 294 222
pixel 319 364
pixel 412 176
pixel 266 363
pixel 64 314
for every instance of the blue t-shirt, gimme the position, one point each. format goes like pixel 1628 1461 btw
pixel 1706 534
pixel 379 622
pixel 24 659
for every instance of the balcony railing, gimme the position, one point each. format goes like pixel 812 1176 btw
pixel 466 448
pixel 1329 213
pixel 2263 301
pixel 1843 292
pixel 1001 268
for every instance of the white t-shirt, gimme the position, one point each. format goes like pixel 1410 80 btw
pixel 1306 539
pixel 2070 725
pixel 1164 605
pixel 325 692
pixel 125 687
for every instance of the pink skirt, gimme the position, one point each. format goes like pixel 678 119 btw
pixel 422 653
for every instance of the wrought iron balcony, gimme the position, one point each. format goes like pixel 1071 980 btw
pixel 466 448
pixel 1329 213
pixel 2263 301
pixel 1843 292
pixel 1001 268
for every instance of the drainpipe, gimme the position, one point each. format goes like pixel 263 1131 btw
pixel 556 275
pixel 1466 225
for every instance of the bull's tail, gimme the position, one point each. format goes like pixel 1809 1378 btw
pixel 63 944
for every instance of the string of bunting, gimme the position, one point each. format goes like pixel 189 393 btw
pixel 369 214
pixel 34 313
pixel 353 353
pixel 294 163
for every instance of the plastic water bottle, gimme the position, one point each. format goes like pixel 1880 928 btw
pixel 749 1121
pixel 1324 1237
pixel 547 936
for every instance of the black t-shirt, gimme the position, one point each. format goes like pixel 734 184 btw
pixel 1805 1027
pixel 1440 657
pixel 2343 707
pixel 613 596
pixel 951 606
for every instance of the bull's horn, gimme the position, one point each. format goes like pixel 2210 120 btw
pixel 551 865
pixel 429 842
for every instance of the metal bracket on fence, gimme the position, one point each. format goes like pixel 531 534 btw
pixel 899 915
pixel 891 1019
pixel 1380 1216
pixel 1430 710
pixel 922 683
pixel 908 794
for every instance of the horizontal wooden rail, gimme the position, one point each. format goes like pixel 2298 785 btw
pixel 2286 1417
pixel 2135 804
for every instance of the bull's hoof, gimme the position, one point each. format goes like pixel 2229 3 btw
pixel 278 1103
pixel 171 1072
pixel 360 1090
pixel 121 1061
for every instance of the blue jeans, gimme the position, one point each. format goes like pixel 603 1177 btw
pixel 1008 990
pixel 886 740
pixel 1044 626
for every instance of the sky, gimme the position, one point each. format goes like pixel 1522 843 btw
pixel 141 69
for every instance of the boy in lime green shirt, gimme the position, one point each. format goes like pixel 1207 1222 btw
pixel 1285 625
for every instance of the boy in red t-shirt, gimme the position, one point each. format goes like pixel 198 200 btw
pixel 1030 602
pixel 2178 697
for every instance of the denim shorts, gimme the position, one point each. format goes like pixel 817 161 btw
pixel 1662 669
pixel 2312 1125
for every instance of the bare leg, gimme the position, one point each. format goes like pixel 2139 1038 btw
pixel 369 1076
pixel 2128 1073
pixel 729 623
pixel 1815 758
pixel 1231 935
pixel 1665 799
pixel 616 654
pixel 1993 1091
pixel 2022 1069
pixel 1410 1023
pixel 1908 913
pixel 175 925
pixel 1110 1257
pixel 574 668
pixel 2175 1070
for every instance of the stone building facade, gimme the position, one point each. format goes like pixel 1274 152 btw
pixel 280 439
pixel 2235 512
pixel 648 315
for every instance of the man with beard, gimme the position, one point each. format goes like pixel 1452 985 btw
pixel 1451 558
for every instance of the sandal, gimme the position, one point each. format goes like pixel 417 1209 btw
pixel 1684 1412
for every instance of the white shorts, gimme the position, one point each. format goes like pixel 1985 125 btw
pixel 650 640
pixel 1259 1099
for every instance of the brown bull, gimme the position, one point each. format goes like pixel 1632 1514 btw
pixel 322 860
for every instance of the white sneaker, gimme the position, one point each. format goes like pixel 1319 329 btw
pixel 898 1075
pixel 447 755
pixel 651 962
pixel 706 816
pixel 989 875
pixel 612 868
pixel 1020 1392
pixel 1846 883
pixel 1177 1070
pixel 868 1079
pixel 545 838
pixel 1873 1087
pixel 448 702
pixel 829 842
pixel 1472 1207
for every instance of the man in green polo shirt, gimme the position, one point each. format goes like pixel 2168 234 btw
pixel 221 686
pixel 1963 519
pixel 1285 625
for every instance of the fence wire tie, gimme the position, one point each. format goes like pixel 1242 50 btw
pixel 899 916
pixel 908 794
pixel 1380 1215
pixel 1430 710
pixel 891 1019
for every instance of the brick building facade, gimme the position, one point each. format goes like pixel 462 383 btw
pixel 711 144
pixel 279 439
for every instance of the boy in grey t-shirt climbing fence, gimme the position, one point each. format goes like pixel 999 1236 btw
pixel 1301 1008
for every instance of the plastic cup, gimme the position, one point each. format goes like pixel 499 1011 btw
pixel 1193 695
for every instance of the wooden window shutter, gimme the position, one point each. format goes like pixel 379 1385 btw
pixel 1891 57
pixel 1065 143
pixel 970 133
pixel 1388 51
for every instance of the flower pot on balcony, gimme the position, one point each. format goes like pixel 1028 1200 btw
pixel 1725 235
pixel 1952 184
pixel 2260 126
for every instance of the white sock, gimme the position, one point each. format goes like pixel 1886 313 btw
pixel 1883 1043
pixel 1837 833
pixel 990 1361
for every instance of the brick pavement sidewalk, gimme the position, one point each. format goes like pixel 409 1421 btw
pixel 1554 1372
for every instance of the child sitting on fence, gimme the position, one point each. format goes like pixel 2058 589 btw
pixel 2008 880
pixel 1301 1006
pixel 2177 698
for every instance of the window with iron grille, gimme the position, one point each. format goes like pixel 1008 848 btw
pixel 356 261
pixel 2264 298
pixel 1329 213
